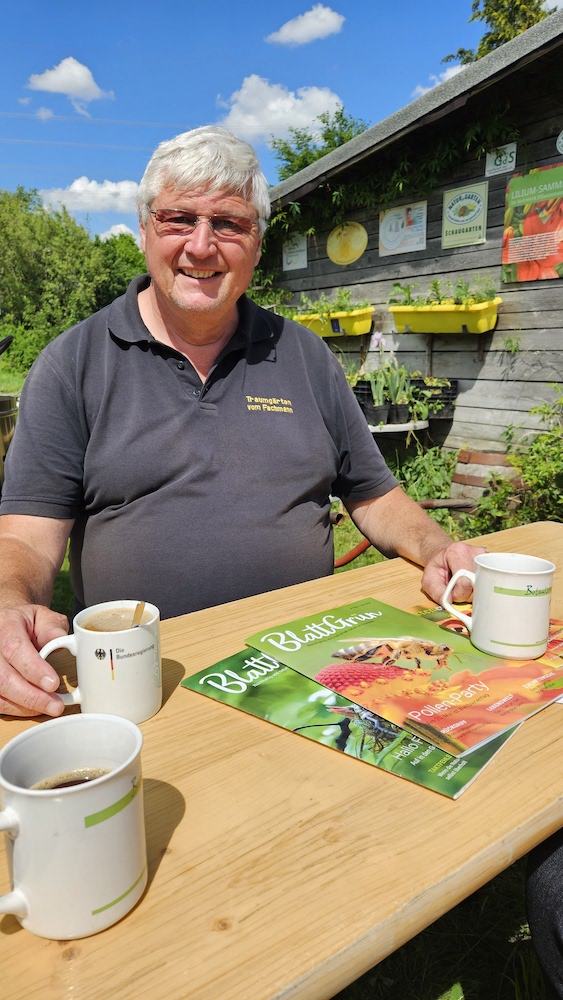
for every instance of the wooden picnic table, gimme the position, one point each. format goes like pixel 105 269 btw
pixel 280 868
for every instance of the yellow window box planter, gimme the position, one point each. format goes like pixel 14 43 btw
pixel 447 318
pixel 338 324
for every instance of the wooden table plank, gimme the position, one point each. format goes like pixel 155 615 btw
pixel 280 869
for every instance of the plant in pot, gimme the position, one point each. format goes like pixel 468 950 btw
pixel 335 317
pixel 357 379
pixel 446 308
pixel 398 388
pixel 432 396
pixel 376 410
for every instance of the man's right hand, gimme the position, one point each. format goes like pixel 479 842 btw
pixel 27 681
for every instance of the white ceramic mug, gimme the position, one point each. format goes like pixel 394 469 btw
pixel 119 672
pixel 511 599
pixel 77 854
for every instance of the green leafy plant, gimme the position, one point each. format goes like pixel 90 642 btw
pixel 398 382
pixel 353 370
pixel 264 292
pixel 425 398
pixel 378 381
pixel 324 306
pixel 438 292
pixel 402 294
pixel 443 292
pixel 512 345
pixel 426 473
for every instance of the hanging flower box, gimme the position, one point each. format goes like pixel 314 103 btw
pixel 446 318
pixel 338 324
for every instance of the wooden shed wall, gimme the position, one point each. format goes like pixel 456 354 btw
pixel 496 387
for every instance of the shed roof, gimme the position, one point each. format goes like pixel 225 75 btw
pixel 436 103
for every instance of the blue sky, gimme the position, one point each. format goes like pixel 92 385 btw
pixel 87 91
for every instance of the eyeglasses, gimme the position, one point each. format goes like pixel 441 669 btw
pixel 174 221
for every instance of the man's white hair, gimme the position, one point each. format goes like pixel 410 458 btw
pixel 209 157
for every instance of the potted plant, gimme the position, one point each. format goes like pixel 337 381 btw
pixel 432 396
pixel 398 388
pixel 446 308
pixel 356 378
pixel 376 410
pixel 335 317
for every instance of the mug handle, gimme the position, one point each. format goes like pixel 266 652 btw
pixel 63 642
pixel 445 603
pixel 12 902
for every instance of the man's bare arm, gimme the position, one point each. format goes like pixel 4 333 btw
pixel 397 526
pixel 32 550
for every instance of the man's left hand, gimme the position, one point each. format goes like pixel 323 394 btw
pixel 442 565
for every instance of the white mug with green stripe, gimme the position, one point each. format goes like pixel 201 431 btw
pixel 72 808
pixel 511 601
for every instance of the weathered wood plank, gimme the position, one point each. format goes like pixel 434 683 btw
pixel 480 433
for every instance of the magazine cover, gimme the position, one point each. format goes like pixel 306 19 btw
pixel 404 668
pixel 258 684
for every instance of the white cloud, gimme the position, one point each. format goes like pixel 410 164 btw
pixel 260 108
pixel 72 79
pixel 24 100
pixel 44 114
pixel 117 230
pixel 446 75
pixel 84 195
pixel 319 22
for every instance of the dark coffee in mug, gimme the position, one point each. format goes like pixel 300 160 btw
pixel 79 776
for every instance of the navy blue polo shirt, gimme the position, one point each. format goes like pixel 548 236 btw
pixel 183 494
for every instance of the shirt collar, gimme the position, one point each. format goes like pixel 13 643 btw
pixel 124 319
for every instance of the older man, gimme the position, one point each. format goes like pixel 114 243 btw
pixel 185 440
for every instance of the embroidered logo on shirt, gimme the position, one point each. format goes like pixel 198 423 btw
pixel 269 404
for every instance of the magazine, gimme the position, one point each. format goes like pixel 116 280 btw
pixel 445 621
pixel 402 667
pixel 262 686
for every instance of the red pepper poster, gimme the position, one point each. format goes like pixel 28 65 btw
pixel 532 244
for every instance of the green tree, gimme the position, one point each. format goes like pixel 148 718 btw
pixel 52 273
pixel 122 261
pixel 306 145
pixel 505 20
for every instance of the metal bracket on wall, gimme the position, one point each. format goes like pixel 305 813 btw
pixel 480 343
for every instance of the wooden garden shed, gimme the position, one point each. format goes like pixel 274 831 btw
pixel 511 98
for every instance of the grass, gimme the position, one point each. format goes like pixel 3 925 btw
pixel 480 950
pixel 10 383
pixel 63 600
pixel 346 537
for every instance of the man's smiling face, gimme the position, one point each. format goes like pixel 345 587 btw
pixel 200 275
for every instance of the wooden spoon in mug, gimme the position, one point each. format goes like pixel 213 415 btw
pixel 138 614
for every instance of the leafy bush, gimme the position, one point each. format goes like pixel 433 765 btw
pixel 426 474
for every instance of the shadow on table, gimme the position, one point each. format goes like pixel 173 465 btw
pixel 172 673
pixel 164 810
